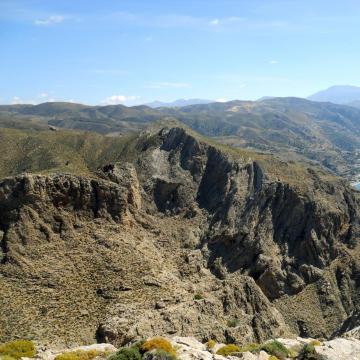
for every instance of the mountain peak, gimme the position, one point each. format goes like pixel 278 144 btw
pixel 338 94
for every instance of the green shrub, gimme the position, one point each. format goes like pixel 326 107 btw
pixel 250 347
pixel 158 343
pixel 308 352
pixel 210 344
pixel 315 343
pixel 277 349
pixel 272 357
pixel 228 350
pixel 233 323
pixel 159 355
pixel 18 349
pixel 198 297
pixel 6 357
pixel 130 353
pixel 79 355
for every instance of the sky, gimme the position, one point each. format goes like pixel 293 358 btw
pixel 137 51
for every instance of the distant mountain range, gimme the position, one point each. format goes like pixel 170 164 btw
pixel 339 95
pixel 178 103
pixel 294 128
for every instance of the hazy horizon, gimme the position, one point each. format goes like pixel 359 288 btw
pixel 136 52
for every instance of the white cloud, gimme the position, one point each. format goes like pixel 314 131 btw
pixel 167 85
pixel 215 22
pixel 51 20
pixel 43 95
pixel 17 101
pixel 273 62
pixel 119 99
pixel 222 100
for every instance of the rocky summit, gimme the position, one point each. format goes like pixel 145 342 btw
pixel 179 237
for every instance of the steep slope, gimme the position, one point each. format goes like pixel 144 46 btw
pixel 57 151
pixel 294 128
pixel 182 237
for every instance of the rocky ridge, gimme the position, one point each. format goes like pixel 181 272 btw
pixel 186 239
pixel 189 348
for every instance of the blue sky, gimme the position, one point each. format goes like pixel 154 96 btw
pixel 136 51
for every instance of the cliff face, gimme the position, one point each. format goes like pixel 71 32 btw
pixel 185 239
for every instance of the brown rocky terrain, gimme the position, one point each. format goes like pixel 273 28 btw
pixel 182 237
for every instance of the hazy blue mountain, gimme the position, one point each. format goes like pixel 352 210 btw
pixel 178 103
pixel 338 94
pixel 355 103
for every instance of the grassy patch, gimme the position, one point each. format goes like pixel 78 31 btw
pixel 17 349
pixel 132 353
pixel 277 349
pixel 228 350
pixel 159 343
pixel 79 355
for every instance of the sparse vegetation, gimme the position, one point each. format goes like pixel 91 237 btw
pixel 6 357
pixel 277 349
pixel 17 349
pixel 210 344
pixel 159 343
pixel 228 350
pixel 130 353
pixel 250 347
pixel 198 296
pixel 272 357
pixel 159 355
pixel 79 355
pixel 233 323
pixel 308 352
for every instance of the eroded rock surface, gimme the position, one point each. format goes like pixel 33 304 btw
pixel 185 239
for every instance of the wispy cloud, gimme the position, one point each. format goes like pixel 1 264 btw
pixel 119 99
pixel 273 62
pixel 167 85
pixel 38 99
pixel 193 22
pixel 109 72
pixel 50 20
pixel 215 22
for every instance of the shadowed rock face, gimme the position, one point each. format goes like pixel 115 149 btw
pixel 187 239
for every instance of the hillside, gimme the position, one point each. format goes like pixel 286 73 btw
pixel 112 119
pixel 293 128
pixel 174 234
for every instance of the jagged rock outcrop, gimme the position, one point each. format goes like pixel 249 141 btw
pixel 181 238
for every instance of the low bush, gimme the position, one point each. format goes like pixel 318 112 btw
pixel 210 344
pixel 315 343
pixel 308 352
pixel 126 353
pixel 272 357
pixel 228 350
pixel 18 349
pixel 6 357
pixel 277 349
pixel 79 355
pixel 233 323
pixel 250 347
pixel 158 343
pixel 198 297
pixel 158 355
